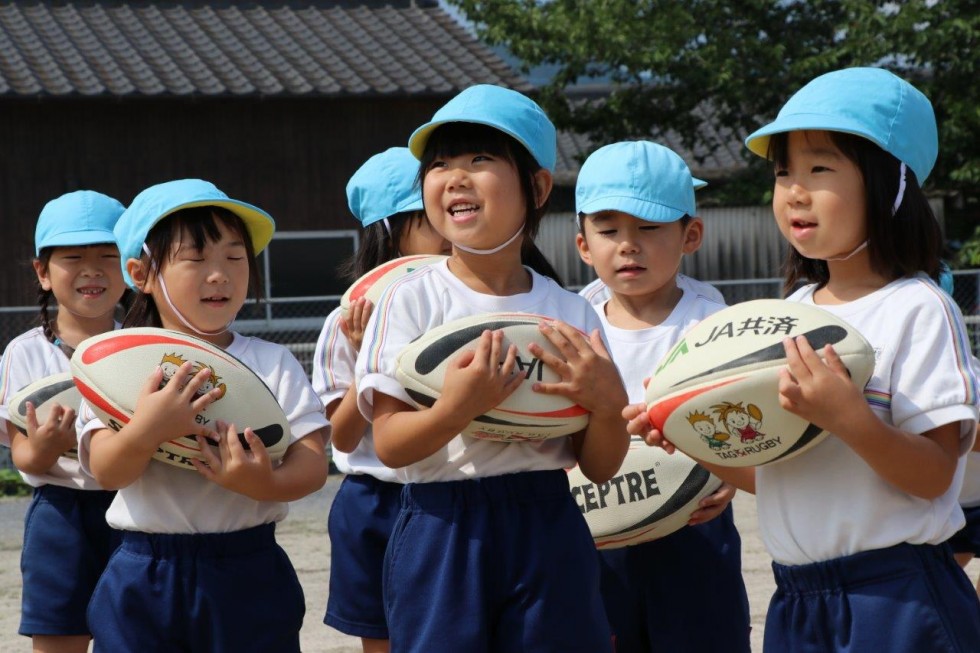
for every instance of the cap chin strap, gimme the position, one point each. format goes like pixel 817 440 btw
pixel 180 316
pixel 847 256
pixel 901 189
pixel 496 249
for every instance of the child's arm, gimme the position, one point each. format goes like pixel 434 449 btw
pixel 921 464
pixel 475 382
pixel 713 505
pixel 250 472
pixel 347 425
pixel 36 452
pixel 346 422
pixel 638 423
pixel 116 459
pixel 590 379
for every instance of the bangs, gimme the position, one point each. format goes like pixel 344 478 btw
pixel 456 138
pixel 200 224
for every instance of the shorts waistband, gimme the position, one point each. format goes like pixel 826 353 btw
pixel 208 545
pixel 522 487
pixel 860 567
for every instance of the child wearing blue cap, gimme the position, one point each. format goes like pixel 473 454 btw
pixel 637 220
pixel 198 567
pixel 857 526
pixel 66 540
pixel 489 551
pixel 384 198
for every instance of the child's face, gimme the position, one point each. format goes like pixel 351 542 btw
pixel 86 281
pixel 635 257
pixel 418 237
pixel 819 198
pixel 474 199
pixel 207 286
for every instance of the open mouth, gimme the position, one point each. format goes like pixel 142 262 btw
pixel 631 268
pixel 92 291
pixel 215 300
pixel 461 209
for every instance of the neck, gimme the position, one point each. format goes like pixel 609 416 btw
pixel 848 281
pixel 72 329
pixel 643 311
pixel 500 274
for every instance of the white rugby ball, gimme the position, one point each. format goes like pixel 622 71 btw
pixel 715 395
pixel 44 394
pixel 110 369
pixel 525 414
pixel 652 495
pixel 373 283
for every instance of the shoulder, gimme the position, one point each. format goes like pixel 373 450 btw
pixel 689 284
pixel 596 292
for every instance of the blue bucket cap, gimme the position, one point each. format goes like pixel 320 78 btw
pixel 511 112
pixel 82 217
pixel 384 186
pixel 644 179
pixel 157 202
pixel 868 102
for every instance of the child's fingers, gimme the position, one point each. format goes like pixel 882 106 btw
pixel 234 444
pixel 794 358
pixel 256 446
pixel 508 368
pixel 834 362
pixel 598 346
pixel 212 461
pixel 496 345
pixel 153 381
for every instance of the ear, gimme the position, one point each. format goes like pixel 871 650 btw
pixel 693 235
pixel 43 277
pixel 582 245
pixel 137 272
pixel 543 183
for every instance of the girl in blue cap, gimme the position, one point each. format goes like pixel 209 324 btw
pixel 199 568
pixel 66 540
pixel 490 551
pixel 385 199
pixel 858 525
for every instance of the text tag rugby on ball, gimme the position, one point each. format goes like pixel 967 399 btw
pixel 111 369
pixel 715 395
pixel 374 282
pixel 44 394
pixel 525 414
pixel 652 495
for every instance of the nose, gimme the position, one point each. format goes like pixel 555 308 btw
pixel 798 193
pixel 458 177
pixel 629 243
pixel 218 274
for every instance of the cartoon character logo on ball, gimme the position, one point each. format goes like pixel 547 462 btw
pixel 170 363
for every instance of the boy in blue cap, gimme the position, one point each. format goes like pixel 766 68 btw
pixel 637 219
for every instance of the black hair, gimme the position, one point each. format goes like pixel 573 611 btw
pixel 899 245
pixel 45 297
pixel 201 224
pixel 377 246
pixel 456 138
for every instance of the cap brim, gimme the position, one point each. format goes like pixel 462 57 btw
pixel 260 224
pixel 758 141
pixel 419 138
pixel 642 209
pixel 80 238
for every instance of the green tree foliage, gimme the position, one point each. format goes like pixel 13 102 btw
pixel 670 65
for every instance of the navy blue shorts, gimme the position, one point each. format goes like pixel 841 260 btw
pixel 504 563
pixel 903 599
pixel 683 592
pixel 362 516
pixel 67 544
pixel 214 592
pixel 967 539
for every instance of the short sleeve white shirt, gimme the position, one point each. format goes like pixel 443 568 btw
pixel 828 503
pixel 30 357
pixel 168 499
pixel 636 352
pixel 333 375
pixel 432 296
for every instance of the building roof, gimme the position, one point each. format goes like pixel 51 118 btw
pixel 220 48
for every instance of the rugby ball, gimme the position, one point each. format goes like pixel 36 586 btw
pixel 373 283
pixel 44 394
pixel 110 369
pixel 715 394
pixel 525 414
pixel 652 495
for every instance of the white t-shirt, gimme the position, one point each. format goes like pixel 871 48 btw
pixel 636 352
pixel 970 494
pixel 827 502
pixel 598 293
pixel 30 357
pixel 168 499
pixel 432 296
pixel 333 374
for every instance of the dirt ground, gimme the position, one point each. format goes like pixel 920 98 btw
pixel 303 535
